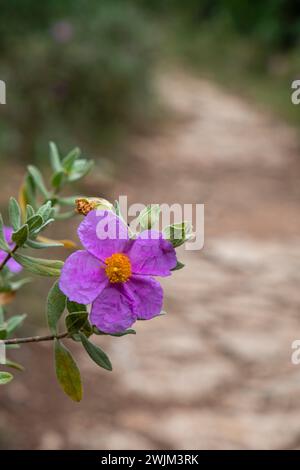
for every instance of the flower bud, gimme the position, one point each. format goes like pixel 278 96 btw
pixel 86 205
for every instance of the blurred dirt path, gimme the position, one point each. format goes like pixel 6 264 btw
pixel 216 371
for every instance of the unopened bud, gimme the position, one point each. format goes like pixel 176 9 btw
pixel 86 205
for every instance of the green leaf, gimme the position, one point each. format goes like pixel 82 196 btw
pixel 75 321
pixel 35 222
pixel 67 372
pixel 149 216
pixel 80 169
pixel 13 364
pixel 65 215
pixel 87 329
pixel 73 307
pixel 67 201
pixel 2 312
pixel 43 267
pixel 14 322
pixel 76 337
pixel 54 157
pixel 44 226
pixel 117 209
pixel 6 274
pixel 30 191
pixel 5 378
pixel 3 331
pixel 14 213
pixel 161 314
pixel 69 160
pixel 29 211
pixel 40 245
pixel 46 211
pixel 58 179
pixel 124 333
pixel 21 235
pixel 3 244
pixel 38 179
pixel 178 266
pixel 118 212
pixel 95 353
pixel 16 285
pixel 55 305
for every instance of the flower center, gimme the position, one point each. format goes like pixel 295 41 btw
pixel 118 268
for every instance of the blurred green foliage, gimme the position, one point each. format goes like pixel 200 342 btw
pixel 81 72
pixel 74 70
pixel 274 23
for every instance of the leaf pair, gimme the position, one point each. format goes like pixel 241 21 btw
pixel 67 371
pixel 34 221
pixel 65 170
pixel 68 169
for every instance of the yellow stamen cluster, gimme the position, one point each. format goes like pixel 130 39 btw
pixel 118 268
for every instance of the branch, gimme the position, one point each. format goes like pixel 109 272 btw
pixel 35 339
pixel 8 257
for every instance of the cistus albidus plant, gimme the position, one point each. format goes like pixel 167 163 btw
pixel 101 289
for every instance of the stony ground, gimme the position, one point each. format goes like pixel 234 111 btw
pixel 216 371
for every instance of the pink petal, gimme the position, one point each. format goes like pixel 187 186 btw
pixel 102 233
pixel 8 231
pixel 82 278
pixel 112 311
pixel 147 295
pixel 13 266
pixel 151 254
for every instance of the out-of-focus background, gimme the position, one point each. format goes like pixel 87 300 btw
pixel 183 102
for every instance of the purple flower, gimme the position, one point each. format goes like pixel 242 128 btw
pixel 115 274
pixel 12 265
